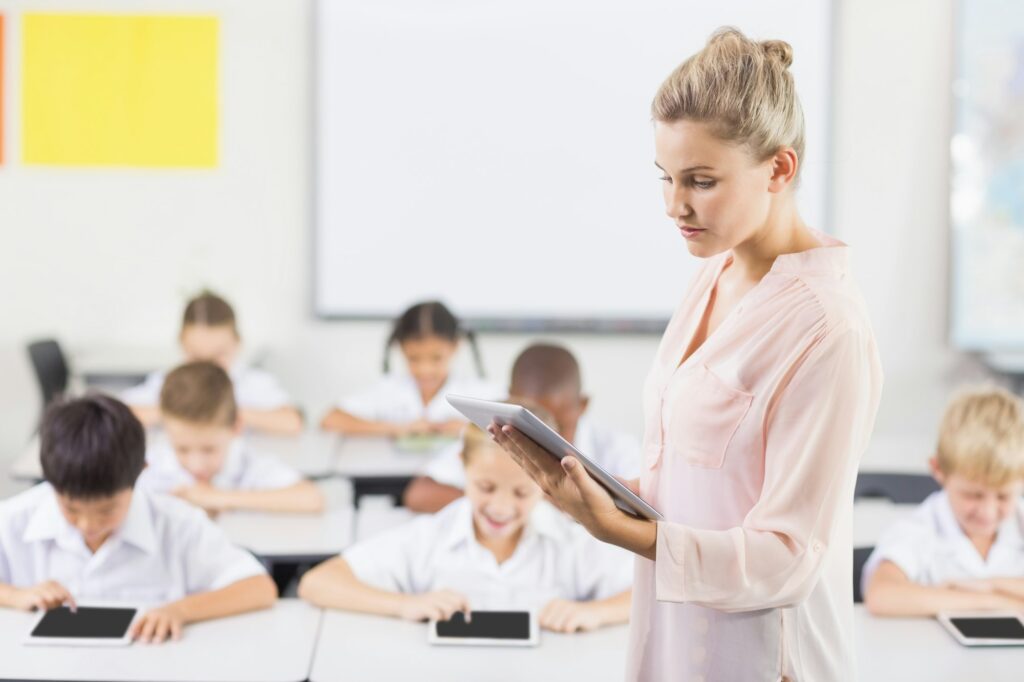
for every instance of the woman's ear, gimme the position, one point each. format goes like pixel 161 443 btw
pixel 784 167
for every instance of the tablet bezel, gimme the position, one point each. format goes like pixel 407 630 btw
pixel 533 640
pixel 123 640
pixel 946 618
pixel 485 412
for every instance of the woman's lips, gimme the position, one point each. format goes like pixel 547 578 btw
pixel 690 232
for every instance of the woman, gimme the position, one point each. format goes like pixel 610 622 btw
pixel 760 401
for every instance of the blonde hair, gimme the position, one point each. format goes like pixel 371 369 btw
pixel 742 88
pixel 982 436
pixel 475 439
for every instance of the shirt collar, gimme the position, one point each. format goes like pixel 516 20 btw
pixel 234 465
pixel 48 523
pixel 830 258
pixel 544 521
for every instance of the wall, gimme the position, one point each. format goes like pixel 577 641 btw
pixel 110 255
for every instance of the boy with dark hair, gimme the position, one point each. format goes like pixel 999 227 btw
pixel 87 534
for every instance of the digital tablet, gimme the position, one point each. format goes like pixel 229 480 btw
pixel 984 628
pixel 486 628
pixel 86 626
pixel 485 412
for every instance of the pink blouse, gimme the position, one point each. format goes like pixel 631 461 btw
pixel 751 449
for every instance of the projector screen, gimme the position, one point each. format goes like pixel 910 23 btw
pixel 498 155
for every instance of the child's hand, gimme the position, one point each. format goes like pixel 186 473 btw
pixel 44 596
pixel 440 605
pixel 203 495
pixel 562 615
pixel 158 625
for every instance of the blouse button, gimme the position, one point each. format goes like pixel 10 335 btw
pixel 816 546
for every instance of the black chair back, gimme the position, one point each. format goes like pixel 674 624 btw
pixel 897 488
pixel 860 557
pixel 51 369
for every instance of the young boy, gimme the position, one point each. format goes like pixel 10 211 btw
pixel 498 548
pixel 209 332
pixel 206 462
pixel 963 549
pixel 86 534
pixel 549 376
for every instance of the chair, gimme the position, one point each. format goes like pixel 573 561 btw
pixel 860 557
pixel 897 488
pixel 51 369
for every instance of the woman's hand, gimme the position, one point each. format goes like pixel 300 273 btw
pixel 572 490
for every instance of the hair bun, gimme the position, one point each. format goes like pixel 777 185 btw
pixel 780 50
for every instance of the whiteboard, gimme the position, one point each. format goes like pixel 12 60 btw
pixel 498 154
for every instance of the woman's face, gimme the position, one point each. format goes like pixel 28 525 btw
pixel 717 195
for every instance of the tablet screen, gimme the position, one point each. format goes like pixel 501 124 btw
pixel 989 628
pixel 487 625
pixel 87 622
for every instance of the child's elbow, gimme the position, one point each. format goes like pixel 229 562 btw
pixel 315 503
pixel 264 592
pixel 309 586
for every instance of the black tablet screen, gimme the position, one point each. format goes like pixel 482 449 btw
pixel 87 621
pixel 487 625
pixel 989 628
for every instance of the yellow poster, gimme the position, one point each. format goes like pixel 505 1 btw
pixel 119 90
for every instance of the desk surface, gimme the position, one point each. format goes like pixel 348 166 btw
pixel 371 655
pixel 920 649
pixel 291 537
pixel 359 456
pixel 275 645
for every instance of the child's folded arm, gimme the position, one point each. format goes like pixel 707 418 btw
pixel 344 422
pixel 300 498
pixel 891 593
pixel 285 420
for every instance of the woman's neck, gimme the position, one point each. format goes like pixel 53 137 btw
pixel 783 232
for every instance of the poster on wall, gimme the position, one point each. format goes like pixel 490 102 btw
pixel 119 90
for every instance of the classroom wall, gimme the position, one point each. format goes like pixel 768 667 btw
pixel 108 256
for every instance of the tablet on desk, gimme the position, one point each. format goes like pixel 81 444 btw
pixel 984 628
pixel 485 412
pixel 486 628
pixel 86 626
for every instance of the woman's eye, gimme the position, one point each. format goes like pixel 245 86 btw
pixel 703 184
pixel 665 178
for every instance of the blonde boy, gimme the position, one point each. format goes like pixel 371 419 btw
pixel 88 534
pixel 963 549
pixel 206 462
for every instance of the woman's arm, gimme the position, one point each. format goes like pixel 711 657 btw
pixel 333 585
pixel 285 421
pixel 891 593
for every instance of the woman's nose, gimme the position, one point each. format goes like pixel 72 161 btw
pixel 676 206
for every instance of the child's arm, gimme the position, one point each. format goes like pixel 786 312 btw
pixel 564 615
pixel 424 494
pixel 44 596
pixel 248 594
pixel 148 415
pixel 285 421
pixel 891 593
pixel 333 585
pixel 344 422
pixel 300 498
pixel 1010 587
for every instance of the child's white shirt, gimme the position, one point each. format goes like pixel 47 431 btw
pixel 396 399
pixel 616 452
pixel 165 550
pixel 255 389
pixel 555 559
pixel 932 549
pixel 244 469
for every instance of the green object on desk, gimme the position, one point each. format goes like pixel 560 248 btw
pixel 422 442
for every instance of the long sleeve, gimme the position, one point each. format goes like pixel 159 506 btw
pixel 814 436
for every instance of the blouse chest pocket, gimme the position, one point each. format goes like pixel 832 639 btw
pixel 705 414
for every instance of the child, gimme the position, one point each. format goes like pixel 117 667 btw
pixel 428 335
pixel 85 534
pixel 549 376
pixel 494 549
pixel 209 332
pixel 205 462
pixel 963 549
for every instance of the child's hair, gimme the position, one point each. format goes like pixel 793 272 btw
pixel 982 436
pixel 475 439
pixel 431 318
pixel 199 392
pixel 91 447
pixel 209 310
pixel 742 88
pixel 543 369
